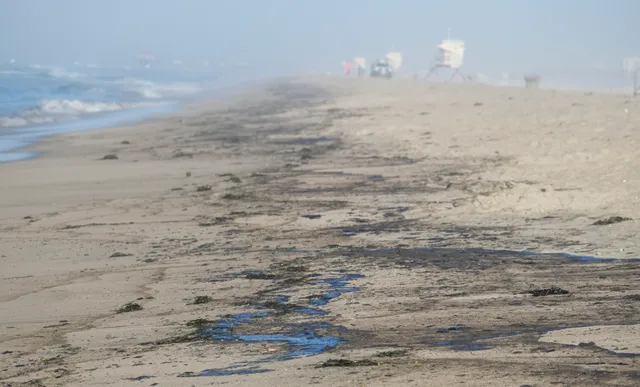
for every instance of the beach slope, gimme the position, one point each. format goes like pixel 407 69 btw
pixel 333 232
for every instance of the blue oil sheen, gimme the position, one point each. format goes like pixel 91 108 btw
pixel 304 339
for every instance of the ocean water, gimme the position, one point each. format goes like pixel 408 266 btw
pixel 37 100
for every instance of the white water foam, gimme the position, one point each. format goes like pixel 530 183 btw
pixel 68 95
pixel 153 90
pixel 12 72
pixel 59 110
pixel 56 72
pixel 73 107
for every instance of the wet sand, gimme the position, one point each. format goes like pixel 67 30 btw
pixel 327 231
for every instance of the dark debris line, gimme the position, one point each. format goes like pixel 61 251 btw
pixel 302 339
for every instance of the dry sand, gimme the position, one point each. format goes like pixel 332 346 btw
pixel 280 192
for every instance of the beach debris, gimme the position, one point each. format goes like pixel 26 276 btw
pixel 199 323
pixel 232 196
pixel 61 323
pixel 125 142
pixel 542 349
pixel 217 220
pixel 283 308
pixel 554 290
pixel 312 216
pixel 305 154
pixel 30 218
pixel 188 174
pixel 110 157
pixel 140 378
pixel 395 353
pixel 188 338
pixel 118 254
pixel 290 266
pixel 590 344
pixel 610 220
pixel 182 154
pixel 203 188
pixel 348 363
pixel 231 178
pixel 61 372
pixel 202 300
pixel 130 307
pixel 453 328
pixel 30 382
pixel 258 275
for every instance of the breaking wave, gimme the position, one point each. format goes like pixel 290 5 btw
pixel 12 72
pixel 37 94
pixel 55 72
pixel 153 90
pixel 50 111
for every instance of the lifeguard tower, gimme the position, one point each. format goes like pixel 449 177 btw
pixel 631 67
pixel 361 64
pixel 532 81
pixel 394 59
pixel 451 56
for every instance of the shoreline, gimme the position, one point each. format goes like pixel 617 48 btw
pixel 103 121
pixel 112 119
pixel 261 237
pixel 127 117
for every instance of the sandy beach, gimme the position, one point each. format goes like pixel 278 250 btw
pixel 332 232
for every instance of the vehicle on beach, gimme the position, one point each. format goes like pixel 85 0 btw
pixel 381 69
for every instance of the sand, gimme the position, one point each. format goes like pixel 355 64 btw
pixel 288 188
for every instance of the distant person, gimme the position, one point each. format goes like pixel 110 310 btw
pixel 347 67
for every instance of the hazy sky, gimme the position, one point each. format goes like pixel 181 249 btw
pixel 500 35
